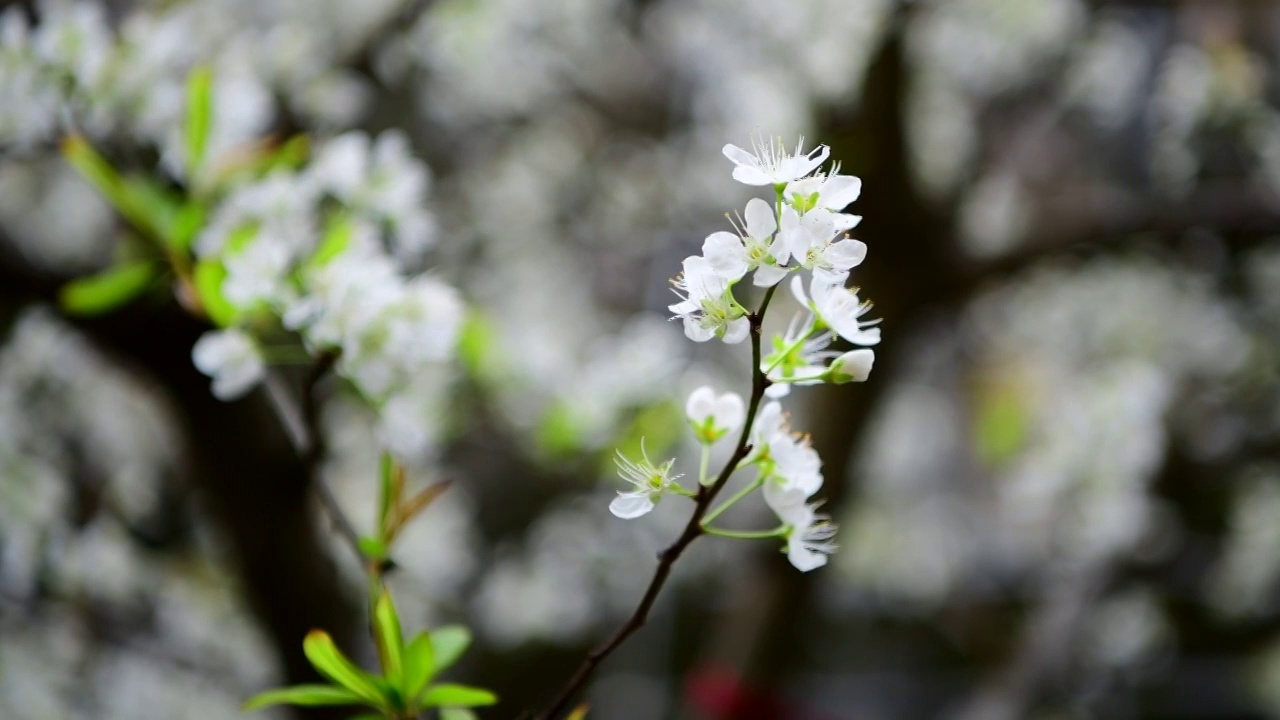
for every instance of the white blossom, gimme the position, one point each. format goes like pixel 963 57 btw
pixel 808 536
pixel 753 248
pixel 382 179
pixel 232 359
pixel 809 238
pixel 651 482
pixel 707 306
pixel 714 416
pixel 769 163
pixel 791 468
pixel 838 308
pixel 826 193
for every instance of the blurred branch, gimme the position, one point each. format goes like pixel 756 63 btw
pixel 1102 220
pixel 236 454
pixel 301 425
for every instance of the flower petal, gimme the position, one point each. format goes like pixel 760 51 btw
pixel 631 505
pixel 761 222
pixel 725 253
pixel 701 405
pixel 736 331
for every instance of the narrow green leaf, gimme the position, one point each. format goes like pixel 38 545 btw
pixel 476 343
pixel 337 236
pixel 453 695
pixel 386 626
pixel 449 643
pixel 291 154
pixel 419 666
pixel 456 714
pixel 149 206
pixel 306 695
pixel 108 290
pixel 579 713
pixel 93 167
pixel 331 663
pixel 386 498
pixel 184 226
pixel 209 276
pixel 199 117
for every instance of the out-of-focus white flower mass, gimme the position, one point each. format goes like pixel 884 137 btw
pixel 473 216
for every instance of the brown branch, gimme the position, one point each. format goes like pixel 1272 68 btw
pixel 692 529
pixel 301 424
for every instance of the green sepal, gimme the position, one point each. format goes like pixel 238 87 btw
pixel 325 656
pixel 454 695
pixel 304 695
pixel 107 290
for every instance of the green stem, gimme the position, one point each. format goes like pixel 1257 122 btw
pixel 702 466
pixel 745 491
pixel 777 532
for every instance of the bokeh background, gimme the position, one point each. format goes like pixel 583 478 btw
pixel 1059 492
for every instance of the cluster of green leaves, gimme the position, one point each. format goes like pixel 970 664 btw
pixel 165 220
pixel 404 690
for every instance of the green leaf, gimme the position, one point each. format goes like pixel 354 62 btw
pixel 419 665
pixel 149 206
pixel 108 290
pixel 331 663
pixel 184 226
pixel 558 433
pixel 579 713
pixel 386 497
pixel 199 117
pixel 386 626
pixel 306 695
pixel 449 643
pixel 93 167
pixel 337 236
pixel 209 276
pixel 1001 425
pixel 291 154
pixel 453 713
pixel 453 695
pixel 476 343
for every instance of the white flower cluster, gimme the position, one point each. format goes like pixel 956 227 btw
pixel 321 252
pixel 66 63
pixel 804 230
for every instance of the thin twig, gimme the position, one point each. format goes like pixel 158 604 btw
pixel 692 529
pixel 301 424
